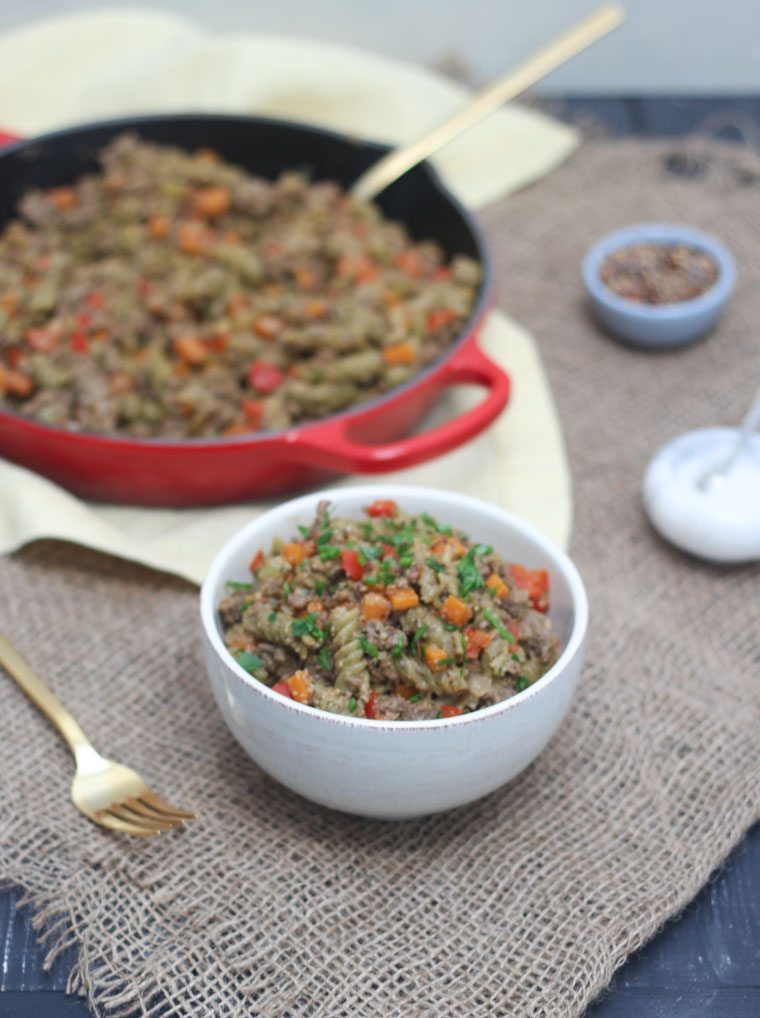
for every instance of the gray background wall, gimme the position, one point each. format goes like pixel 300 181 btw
pixel 684 46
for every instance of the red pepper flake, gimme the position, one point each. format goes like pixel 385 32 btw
pixel 369 707
pixel 437 319
pixel 265 377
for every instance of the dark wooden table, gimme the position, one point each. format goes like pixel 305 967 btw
pixel 706 963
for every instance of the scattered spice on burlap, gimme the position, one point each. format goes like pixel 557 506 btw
pixel 522 904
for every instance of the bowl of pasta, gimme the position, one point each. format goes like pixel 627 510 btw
pixel 392 651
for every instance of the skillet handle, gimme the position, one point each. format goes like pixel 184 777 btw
pixel 331 446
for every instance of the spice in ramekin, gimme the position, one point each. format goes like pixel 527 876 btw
pixel 652 273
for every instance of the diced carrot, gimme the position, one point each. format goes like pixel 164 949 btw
pixel 212 202
pixel 239 641
pixel 305 278
pixel 101 335
pixel 437 319
pixel 477 640
pixel 456 611
pixel 399 353
pixel 257 561
pixel 253 411
pixel 439 546
pixel 434 656
pixel 235 429
pixel 191 238
pixel 409 262
pixel 391 298
pixel 9 302
pixel 357 267
pixel 314 607
pixel 181 370
pixel 13 356
pixel 402 689
pixel 158 226
pixel 498 586
pixel 315 308
pixel 293 553
pixel 237 302
pixel 16 383
pixel 300 686
pixel 268 326
pixel 350 564
pixel 191 349
pixel 232 237
pixel 375 606
pixel 63 198
pixel 402 598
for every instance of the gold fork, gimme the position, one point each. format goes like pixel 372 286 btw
pixel 114 796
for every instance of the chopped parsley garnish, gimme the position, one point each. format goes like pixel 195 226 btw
pixel 405 561
pixel 367 528
pixel 368 647
pixel 352 705
pixel 319 586
pixel 324 657
pixel 515 657
pixel 308 627
pixel 371 552
pixel 483 549
pixel 522 683
pixel 469 574
pixel 251 662
pixel 328 551
pixel 234 585
pixel 419 634
pixel 445 661
pixel 305 531
pixel 439 714
pixel 325 537
pixel 415 699
pixel 446 530
pixel 398 650
pixel 450 626
pixel 435 565
pixel 500 628
pixel 286 590
pixel 428 519
pixel 273 616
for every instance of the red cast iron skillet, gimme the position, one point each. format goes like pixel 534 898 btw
pixel 364 439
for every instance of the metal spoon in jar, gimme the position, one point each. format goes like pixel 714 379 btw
pixel 394 165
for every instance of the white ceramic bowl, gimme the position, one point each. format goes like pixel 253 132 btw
pixel 396 769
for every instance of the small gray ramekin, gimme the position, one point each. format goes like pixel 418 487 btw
pixel 658 326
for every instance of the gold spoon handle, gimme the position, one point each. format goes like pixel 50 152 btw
pixel 22 672
pixel 396 163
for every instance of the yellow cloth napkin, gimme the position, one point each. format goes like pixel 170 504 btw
pixel 71 69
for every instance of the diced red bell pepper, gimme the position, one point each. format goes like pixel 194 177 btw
pixel 350 564
pixel 477 640
pixel 450 711
pixel 257 561
pixel 253 411
pixel 79 342
pixel 536 582
pixel 369 707
pixel 265 377
pixel 388 551
pixel 283 689
pixel 382 507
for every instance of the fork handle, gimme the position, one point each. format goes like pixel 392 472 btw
pixel 23 673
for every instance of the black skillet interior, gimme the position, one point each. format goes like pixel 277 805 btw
pixel 263 147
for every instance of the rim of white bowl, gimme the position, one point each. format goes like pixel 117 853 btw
pixel 305 505
pixel 659 233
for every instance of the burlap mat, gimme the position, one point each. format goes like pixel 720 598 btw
pixel 521 905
